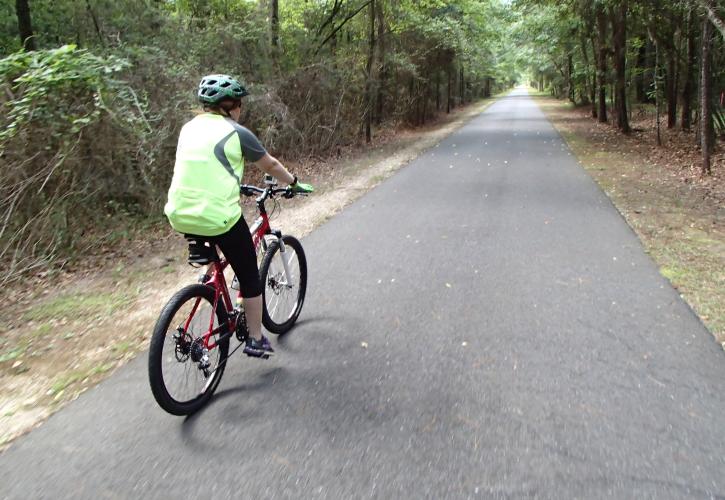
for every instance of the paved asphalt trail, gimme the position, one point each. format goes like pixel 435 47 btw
pixel 519 344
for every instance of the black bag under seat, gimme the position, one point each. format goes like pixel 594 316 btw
pixel 201 251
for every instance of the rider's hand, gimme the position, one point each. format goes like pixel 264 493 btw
pixel 301 188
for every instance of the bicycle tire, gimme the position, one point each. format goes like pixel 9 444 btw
pixel 274 287
pixel 160 339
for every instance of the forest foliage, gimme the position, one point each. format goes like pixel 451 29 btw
pixel 615 55
pixel 94 92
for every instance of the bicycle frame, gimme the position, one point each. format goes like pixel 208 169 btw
pixel 260 228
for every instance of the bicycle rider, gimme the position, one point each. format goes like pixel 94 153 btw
pixel 204 197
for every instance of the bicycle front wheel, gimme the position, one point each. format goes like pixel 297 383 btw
pixel 184 374
pixel 284 286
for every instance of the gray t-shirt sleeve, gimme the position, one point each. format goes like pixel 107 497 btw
pixel 252 149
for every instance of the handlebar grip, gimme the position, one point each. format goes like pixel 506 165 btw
pixel 248 190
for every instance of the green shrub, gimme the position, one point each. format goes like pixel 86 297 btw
pixel 65 114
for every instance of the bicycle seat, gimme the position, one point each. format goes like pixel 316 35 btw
pixel 201 251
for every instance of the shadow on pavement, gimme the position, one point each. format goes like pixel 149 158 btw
pixel 284 338
pixel 264 381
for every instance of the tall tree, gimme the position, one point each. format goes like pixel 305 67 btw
pixel 590 77
pixel 382 63
pixel 595 78
pixel 674 20
pixel 462 82
pixel 274 29
pixel 619 38
pixel 657 93
pixel 449 104
pixel 370 91
pixel 93 15
pixel 687 85
pixel 706 128
pixel 25 27
pixel 602 53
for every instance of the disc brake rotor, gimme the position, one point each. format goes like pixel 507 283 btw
pixel 183 345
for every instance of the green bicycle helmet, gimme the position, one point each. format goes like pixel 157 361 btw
pixel 215 88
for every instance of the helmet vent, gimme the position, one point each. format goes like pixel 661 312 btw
pixel 215 88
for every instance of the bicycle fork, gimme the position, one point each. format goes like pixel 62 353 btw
pixel 283 255
pixel 285 263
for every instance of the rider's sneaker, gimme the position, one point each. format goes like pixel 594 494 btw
pixel 258 348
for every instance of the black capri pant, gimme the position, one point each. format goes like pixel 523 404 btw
pixel 238 247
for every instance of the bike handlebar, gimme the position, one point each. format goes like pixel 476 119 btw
pixel 249 190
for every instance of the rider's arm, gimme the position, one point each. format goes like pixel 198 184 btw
pixel 255 153
pixel 273 167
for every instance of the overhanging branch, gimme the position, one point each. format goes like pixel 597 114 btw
pixel 712 15
pixel 339 26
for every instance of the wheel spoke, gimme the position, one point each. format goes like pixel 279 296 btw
pixel 278 302
pixel 284 285
pixel 184 381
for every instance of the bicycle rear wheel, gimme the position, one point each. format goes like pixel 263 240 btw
pixel 283 295
pixel 181 379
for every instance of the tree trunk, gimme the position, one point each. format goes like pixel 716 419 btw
pixel 602 63
pixel 571 92
pixel 657 93
pixel 706 134
pixel 448 95
pixel 671 88
pixel 382 80
pixel 593 90
pixel 689 71
pixel 639 84
pixel 274 29
pixel 25 27
pixel 438 91
pixel 619 37
pixel 587 93
pixel 462 82
pixel 99 33
pixel 424 114
pixel 369 73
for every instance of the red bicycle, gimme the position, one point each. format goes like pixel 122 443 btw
pixel 190 342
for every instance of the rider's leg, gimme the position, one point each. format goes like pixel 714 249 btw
pixel 253 312
pixel 257 345
pixel 238 248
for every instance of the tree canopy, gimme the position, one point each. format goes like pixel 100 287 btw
pixel 95 91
